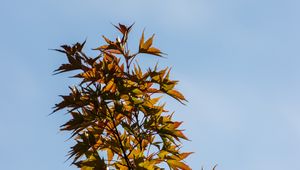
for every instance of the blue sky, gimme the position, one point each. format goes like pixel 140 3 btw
pixel 237 62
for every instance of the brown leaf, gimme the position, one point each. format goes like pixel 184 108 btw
pixel 107 40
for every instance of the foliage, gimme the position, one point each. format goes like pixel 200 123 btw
pixel 117 119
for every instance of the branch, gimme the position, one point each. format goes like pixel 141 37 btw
pixel 119 139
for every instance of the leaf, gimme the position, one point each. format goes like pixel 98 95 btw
pixel 114 51
pixel 144 46
pixel 66 67
pixel 154 51
pixel 115 108
pixel 109 85
pixel 137 91
pixel 176 94
pixel 121 167
pixel 122 28
pixel 162 154
pixel 168 86
pixel 177 164
pixel 179 134
pixel 148 43
pixel 107 40
pixel 177 124
pixel 102 47
pixel 182 156
pixel 86 168
pixel 141 41
pixel 110 155
pixel 149 165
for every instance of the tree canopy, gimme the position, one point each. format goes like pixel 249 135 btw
pixel 117 117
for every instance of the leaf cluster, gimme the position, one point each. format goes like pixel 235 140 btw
pixel 117 120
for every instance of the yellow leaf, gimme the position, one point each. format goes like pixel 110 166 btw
pixel 162 154
pixel 109 85
pixel 156 78
pixel 137 91
pixel 86 168
pixel 122 167
pixel 149 165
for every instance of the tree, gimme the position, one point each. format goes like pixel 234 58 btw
pixel 117 119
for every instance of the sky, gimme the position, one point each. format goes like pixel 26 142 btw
pixel 237 62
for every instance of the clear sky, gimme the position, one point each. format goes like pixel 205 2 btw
pixel 237 62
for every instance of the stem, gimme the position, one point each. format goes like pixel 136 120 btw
pixel 119 139
pixel 140 141
pixel 132 57
pixel 127 65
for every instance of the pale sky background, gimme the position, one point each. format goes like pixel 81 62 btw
pixel 237 62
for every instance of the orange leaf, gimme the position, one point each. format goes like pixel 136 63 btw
pixel 101 47
pixel 179 133
pixel 183 155
pixel 110 155
pixel 177 124
pixel 109 85
pixel 176 164
pixel 148 43
pixel 176 94
pixel 141 41
pixel 154 51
